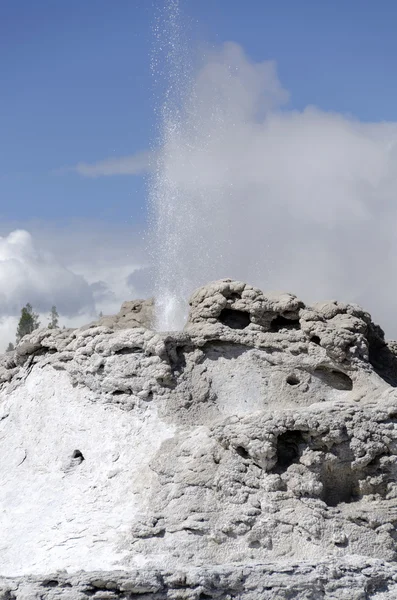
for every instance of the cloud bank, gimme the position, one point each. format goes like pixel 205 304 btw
pixel 28 274
pixel 97 276
pixel 296 200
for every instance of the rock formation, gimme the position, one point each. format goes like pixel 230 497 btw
pixel 251 456
pixel 135 313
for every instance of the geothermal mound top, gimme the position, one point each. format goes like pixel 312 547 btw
pixel 251 456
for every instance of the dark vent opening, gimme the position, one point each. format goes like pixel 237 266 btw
pixel 242 452
pixel 339 485
pixel 233 296
pixel 340 481
pixel 235 319
pixel 281 322
pixel 50 583
pixel 77 455
pixel 288 451
pixel 129 350
pixel 382 359
pixel 316 340
pixel 293 379
pixel 177 359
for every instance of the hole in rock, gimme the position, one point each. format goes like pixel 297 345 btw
pixel 374 465
pixel 180 352
pixel 382 359
pixel 375 461
pixel 177 358
pixel 50 583
pixel 242 452
pixel 235 319
pixel 342 543
pixel 78 455
pixel 233 296
pixel 339 484
pixel 281 322
pixel 316 340
pixel 133 350
pixel 288 449
pixel 293 379
pixel 334 378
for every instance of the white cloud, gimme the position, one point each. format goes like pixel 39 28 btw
pixel 134 164
pixel 105 255
pixel 8 327
pixel 296 200
pixel 82 269
pixel 28 274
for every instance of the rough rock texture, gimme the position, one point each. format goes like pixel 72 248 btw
pixel 253 455
pixel 134 313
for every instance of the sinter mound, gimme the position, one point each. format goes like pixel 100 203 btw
pixel 251 456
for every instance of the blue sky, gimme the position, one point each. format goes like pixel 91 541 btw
pixel 76 86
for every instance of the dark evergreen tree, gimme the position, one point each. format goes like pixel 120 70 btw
pixel 10 347
pixel 28 322
pixel 54 318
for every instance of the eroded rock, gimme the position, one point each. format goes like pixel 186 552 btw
pixel 257 447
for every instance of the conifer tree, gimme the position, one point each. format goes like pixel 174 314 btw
pixel 53 318
pixel 10 347
pixel 28 322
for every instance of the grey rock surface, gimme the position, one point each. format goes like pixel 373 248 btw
pixel 352 578
pixel 253 455
pixel 133 313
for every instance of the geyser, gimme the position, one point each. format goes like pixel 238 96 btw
pixel 193 237
pixel 242 187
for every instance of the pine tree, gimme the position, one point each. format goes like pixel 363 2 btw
pixel 53 318
pixel 28 322
pixel 10 347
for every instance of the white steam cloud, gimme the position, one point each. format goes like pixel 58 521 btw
pixel 300 201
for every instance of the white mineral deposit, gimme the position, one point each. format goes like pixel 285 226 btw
pixel 252 455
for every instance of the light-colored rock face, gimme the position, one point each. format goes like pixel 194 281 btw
pixel 134 313
pixel 264 434
pixel 61 510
